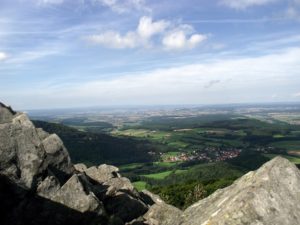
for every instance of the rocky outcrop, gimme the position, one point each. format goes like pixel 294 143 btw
pixel 38 176
pixel 270 195
pixel 120 197
pixel 159 212
pixel 40 185
pixel 27 154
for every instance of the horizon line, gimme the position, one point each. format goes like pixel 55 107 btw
pixel 161 105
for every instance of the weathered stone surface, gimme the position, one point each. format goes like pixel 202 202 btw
pixel 42 134
pixel 57 156
pixel 74 195
pixel 8 153
pixel 80 167
pixel 268 196
pixel 38 163
pixel 161 213
pixel 26 152
pixel 119 195
pixel 102 173
pixel 119 184
pixel 6 113
pixel 26 145
pixel 48 187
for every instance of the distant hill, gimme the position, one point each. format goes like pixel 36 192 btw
pixel 96 148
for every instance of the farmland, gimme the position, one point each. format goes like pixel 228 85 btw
pixel 195 149
pixel 166 151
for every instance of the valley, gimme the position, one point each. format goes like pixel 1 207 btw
pixel 173 151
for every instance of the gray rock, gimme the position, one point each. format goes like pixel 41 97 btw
pixel 75 195
pixel 24 156
pixel 29 156
pixel 109 177
pixel 42 134
pixel 120 184
pixel 161 213
pixel 48 187
pixel 119 195
pixel 80 167
pixel 102 173
pixel 6 113
pixel 8 152
pixel 57 156
pixel 268 196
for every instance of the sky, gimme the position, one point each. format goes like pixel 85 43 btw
pixel 79 53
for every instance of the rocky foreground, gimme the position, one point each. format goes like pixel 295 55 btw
pixel 40 185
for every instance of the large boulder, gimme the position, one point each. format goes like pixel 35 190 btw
pixel 102 173
pixel 76 195
pixel 27 154
pixel 118 194
pixel 159 212
pixel 268 196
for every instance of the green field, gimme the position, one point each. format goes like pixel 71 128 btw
pixel 158 176
pixel 130 166
pixel 143 133
pixel 140 185
pixel 288 145
pixel 166 164
pixel 187 139
pixel 180 171
pixel 278 136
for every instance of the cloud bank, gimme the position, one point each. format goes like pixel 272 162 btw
pixel 148 33
pixel 250 79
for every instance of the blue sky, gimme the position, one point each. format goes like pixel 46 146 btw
pixel 70 53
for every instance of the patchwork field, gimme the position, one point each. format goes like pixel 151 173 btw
pixel 174 154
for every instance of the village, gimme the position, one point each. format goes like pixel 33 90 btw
pixel 209 154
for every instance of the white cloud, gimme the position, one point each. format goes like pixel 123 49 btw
pixel 3 56
pixel 178 40
pixel 114 39
pixel 225 81
pixel 141 37
pixel 147 28
pixel 243 4
pixel 235 80
pixel 122 6
pixel 181 37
